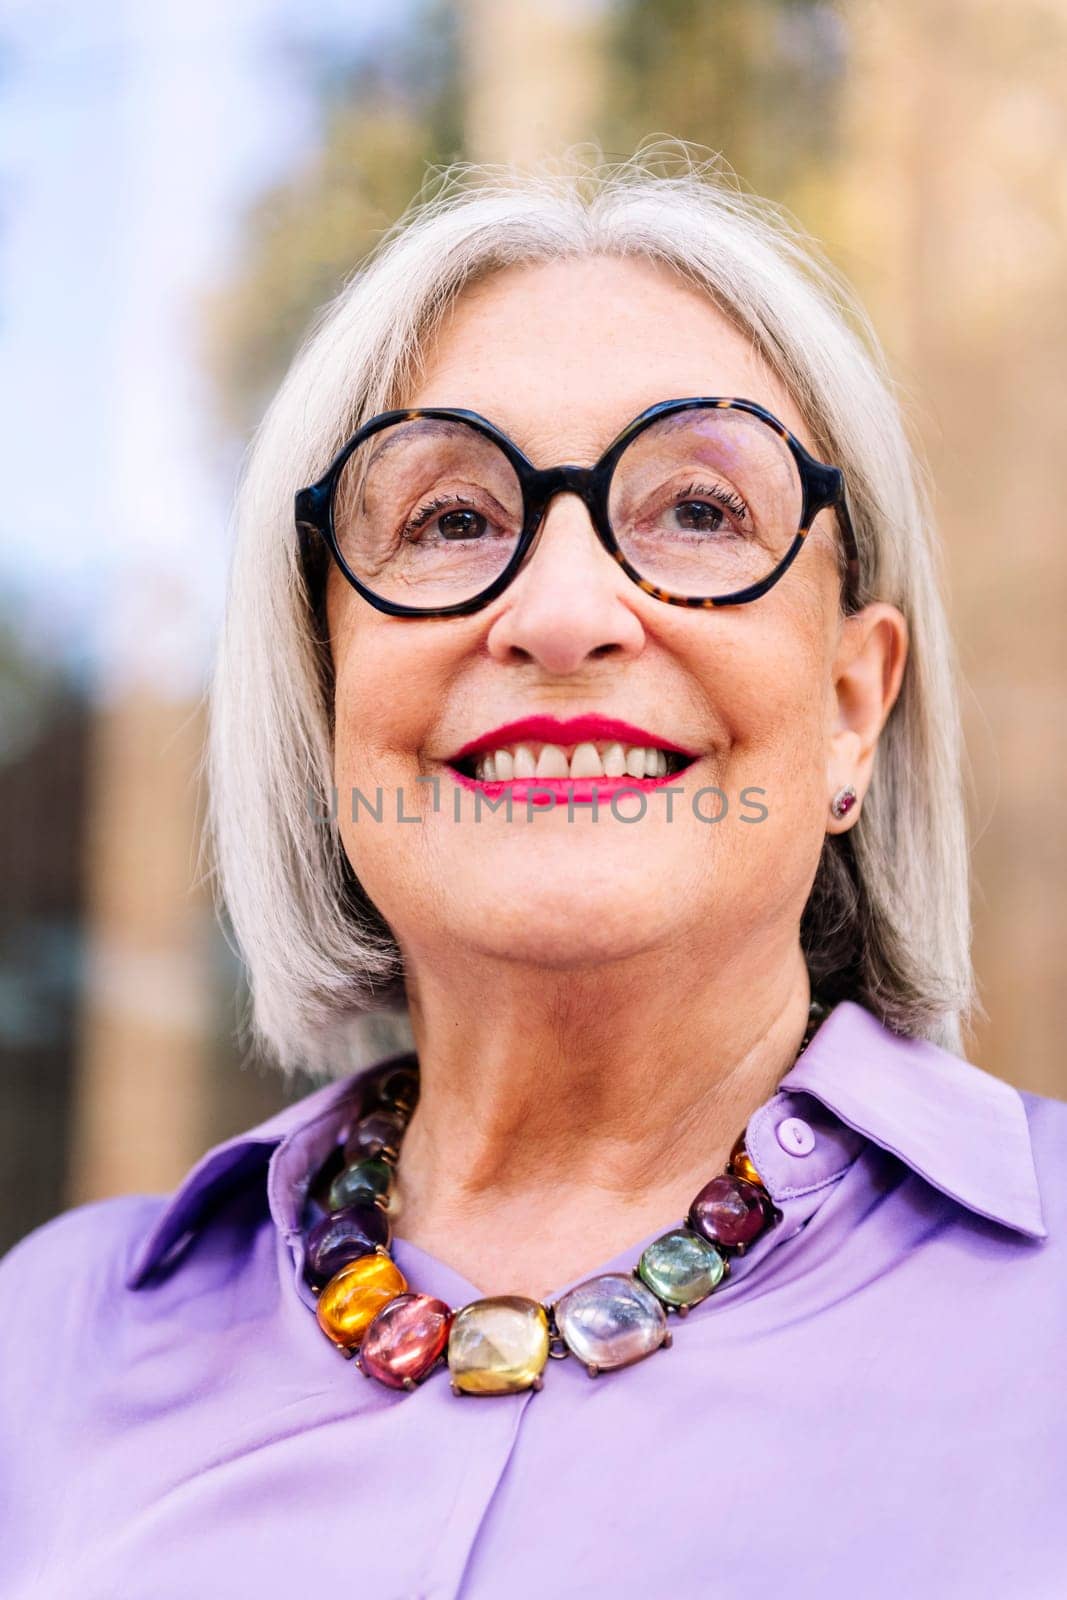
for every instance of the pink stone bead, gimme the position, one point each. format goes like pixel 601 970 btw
pixel 405 1339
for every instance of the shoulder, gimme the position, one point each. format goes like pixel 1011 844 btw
pixel 62 1294
pixel 1046 1115
pixel 1047 1121
pixel 63 1378
pixel 74 1262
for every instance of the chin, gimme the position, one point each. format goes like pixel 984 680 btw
pixel 560 920
pixel 563 950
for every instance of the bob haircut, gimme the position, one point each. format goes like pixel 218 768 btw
pixel 887 922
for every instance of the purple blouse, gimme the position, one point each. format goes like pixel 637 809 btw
pixel 871 1406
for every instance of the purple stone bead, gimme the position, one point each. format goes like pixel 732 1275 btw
pixel 342 1237
pixel 729 1211
pixel 372 1132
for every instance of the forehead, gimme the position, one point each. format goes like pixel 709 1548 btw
pixel 562 354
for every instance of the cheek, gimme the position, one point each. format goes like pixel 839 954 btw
pixel 358 717
pixel 383 700
pixel 766 689
pixel 366 688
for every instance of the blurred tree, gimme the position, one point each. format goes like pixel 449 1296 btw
pixel 32 690
pixel 44 723
pixel 383 122
pixel 756 80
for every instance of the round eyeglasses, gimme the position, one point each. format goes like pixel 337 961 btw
pixel 702 502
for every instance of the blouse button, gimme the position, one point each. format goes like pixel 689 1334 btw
pixel 795 1136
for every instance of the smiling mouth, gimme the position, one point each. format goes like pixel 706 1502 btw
pixel 589 758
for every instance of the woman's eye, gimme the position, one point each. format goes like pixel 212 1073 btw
pixel 445 522
pixel 463 524
pixel 698 516
pixel 708 508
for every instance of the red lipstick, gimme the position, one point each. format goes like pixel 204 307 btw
pixel 571 730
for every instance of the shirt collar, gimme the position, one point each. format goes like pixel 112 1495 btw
pixel 960 1128
pixel 964 1131
pixel 302 1127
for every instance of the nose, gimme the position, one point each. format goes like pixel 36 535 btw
pixel 570 603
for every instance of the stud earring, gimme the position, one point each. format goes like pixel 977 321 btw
pixel 843 801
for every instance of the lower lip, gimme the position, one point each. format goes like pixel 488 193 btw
pixel 560 791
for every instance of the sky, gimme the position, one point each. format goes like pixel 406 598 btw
pixel 133 138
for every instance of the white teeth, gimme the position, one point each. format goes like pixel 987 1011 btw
pixel 614 761
pixel 552 762
pixel 587 761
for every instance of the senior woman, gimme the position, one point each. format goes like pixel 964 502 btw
pixel 597 709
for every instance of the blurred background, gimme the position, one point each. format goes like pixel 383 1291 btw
pixel 184 183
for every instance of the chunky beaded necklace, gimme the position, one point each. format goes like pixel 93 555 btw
pixel 501 1344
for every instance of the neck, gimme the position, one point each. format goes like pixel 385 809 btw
pixel 577 1111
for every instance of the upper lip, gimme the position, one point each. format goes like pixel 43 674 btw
pixel 571 730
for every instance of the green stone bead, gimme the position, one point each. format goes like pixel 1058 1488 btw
pixel 681 1268
pixel 360 1184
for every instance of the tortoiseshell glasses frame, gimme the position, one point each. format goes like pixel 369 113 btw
pixel 822 486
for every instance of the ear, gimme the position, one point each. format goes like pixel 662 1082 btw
pixel 866 674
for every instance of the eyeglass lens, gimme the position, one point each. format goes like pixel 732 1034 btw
pixel 428 512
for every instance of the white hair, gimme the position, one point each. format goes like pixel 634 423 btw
pixel 888 919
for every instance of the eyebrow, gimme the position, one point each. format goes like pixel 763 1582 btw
pixel 393 434
pixel 517 434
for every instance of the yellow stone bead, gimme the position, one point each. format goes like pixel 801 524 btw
pixel 741 1164
pixel 354 1296
pixel 498 1345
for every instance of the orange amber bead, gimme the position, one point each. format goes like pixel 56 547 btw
pixel 741 1163
pixel 354 1296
